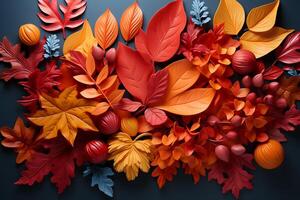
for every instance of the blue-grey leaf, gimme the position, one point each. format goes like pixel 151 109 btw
pixel 51 47
pixel 199 13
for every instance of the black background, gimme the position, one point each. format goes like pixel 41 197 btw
pixel 282 183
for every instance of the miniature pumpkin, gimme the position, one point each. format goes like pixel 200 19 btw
pixel 97 151
pixel 269 155
pixel 129 125
pixel 29 34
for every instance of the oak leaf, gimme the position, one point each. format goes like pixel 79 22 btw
pixel 65 113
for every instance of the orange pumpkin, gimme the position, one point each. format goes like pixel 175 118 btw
pixel 269 155
pixel 29 34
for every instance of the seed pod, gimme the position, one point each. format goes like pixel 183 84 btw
pixel 222 153
pixel 111 55
pixel 236 120
pixel 247 81
pixel 98 53
pixel 232 135
pixel 97 151
pixel 109 123
pixel 29 34
pixel 243 62
pixel 238 149
pixel 251 97
pixel 258 80
pixel 273 86
pixel 129 125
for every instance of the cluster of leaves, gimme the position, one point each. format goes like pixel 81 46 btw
pixel 173 117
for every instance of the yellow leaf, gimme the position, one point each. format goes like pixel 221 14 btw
pixel 81 41
pixel 232 14
pixel 101 108
pixel 191 102
pixel 262 18
pixel 182 75
pixel 131 21
pixel 106 29
pixel 263 43
pixel 130 155
pixel 65 114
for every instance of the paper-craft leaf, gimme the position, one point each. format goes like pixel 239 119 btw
pixel 65 113
pixel 82 40
pixel 51 15
pixel 263 43
pixel 262 18
pixel 272 73
pixel 290 51
pixel 19 138
pixel 157 87
pixel 155 116
pixel 130 155
pixel 230 13
pixel 22 67
pixel 106 29
pixel 133 71
pixel 191 102
pixel 131 21
pixel 100 177
pixel 182 76
pixel 59 161
pixel 162 37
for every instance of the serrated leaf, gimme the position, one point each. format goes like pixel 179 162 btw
pixel 230 13
pixel 263 43
pixel 106 29
pixel 262 18
pixel 131 21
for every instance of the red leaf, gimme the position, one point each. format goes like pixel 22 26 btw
pixel 127 104
pixel 289 53
pixel 40 82
pixel 290 119
pixel 272 73
pixel 232 174
pixel 162 37
pixel 51 15
pixel 157 87
pixel 22 67
pixel 59 162
pixel 134 71
pixel 155 116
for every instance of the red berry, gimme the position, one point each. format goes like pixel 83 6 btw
pixel 213 120
pixel 236 120
pixel 251 97
pixel 281 103
pixel 243 62
pixel 268 99
pixel 273 86
pixel 98 53
pixel 109 123
pixel 259 100
pixel 258 80
pixel 232 135
pixel 247 81
pixel 238 149
pixel 97 151
pixel 111 55
pixel 222 153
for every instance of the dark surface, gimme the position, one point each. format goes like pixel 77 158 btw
pixel 282 183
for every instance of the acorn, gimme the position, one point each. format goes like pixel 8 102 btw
pixel 109 123
pixel 273 86
pixel 97 151
pixel 111 55
pixel 281 103
pixel 247 81
pixel 238 149
pixel 213 120
pixel 222 153
pixel 98 53
pixel 258 80
pixel 29 34
pixel 232 135
pixel 243 62
pixel 130 126
pixel 236 120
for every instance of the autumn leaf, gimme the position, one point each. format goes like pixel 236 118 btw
pixel 164 175
pixel 58 158
pixel 230 13
pixel 191 102
pixel 51 14
pixel 65 113
pixel 157 87
pixel 155 116
pixel 289 89
pixel 106 29
pixel 133 71
pixel 131 21
pixel 262 18
pixel 81 41
pixel 182 76
pixel 162 38
pixel 130 155
pixel 272 73
pixel 289 53
pixel 19 138
pixel 290 120
pixel 263 43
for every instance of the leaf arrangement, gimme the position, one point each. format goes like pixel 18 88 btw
pixel 96 105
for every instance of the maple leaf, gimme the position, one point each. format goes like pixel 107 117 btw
pixel 130 155
pixel 289 120
pixel 19 138
pixel 59 161
pixel 40 82
pixel 51 15
pixel 166 174
pixel 232 174
pixel 22 67
pixel 289 52
pixel 65 113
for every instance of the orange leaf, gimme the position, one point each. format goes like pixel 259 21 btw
pixel 106 29
pixel 90 93
pixel 116 96
pixel 131 21
pixel 191 102
pixel 238 105
pixel 84 79
pixel 90 64
pixel 102 75
pixel 259 122
pixel 67 79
